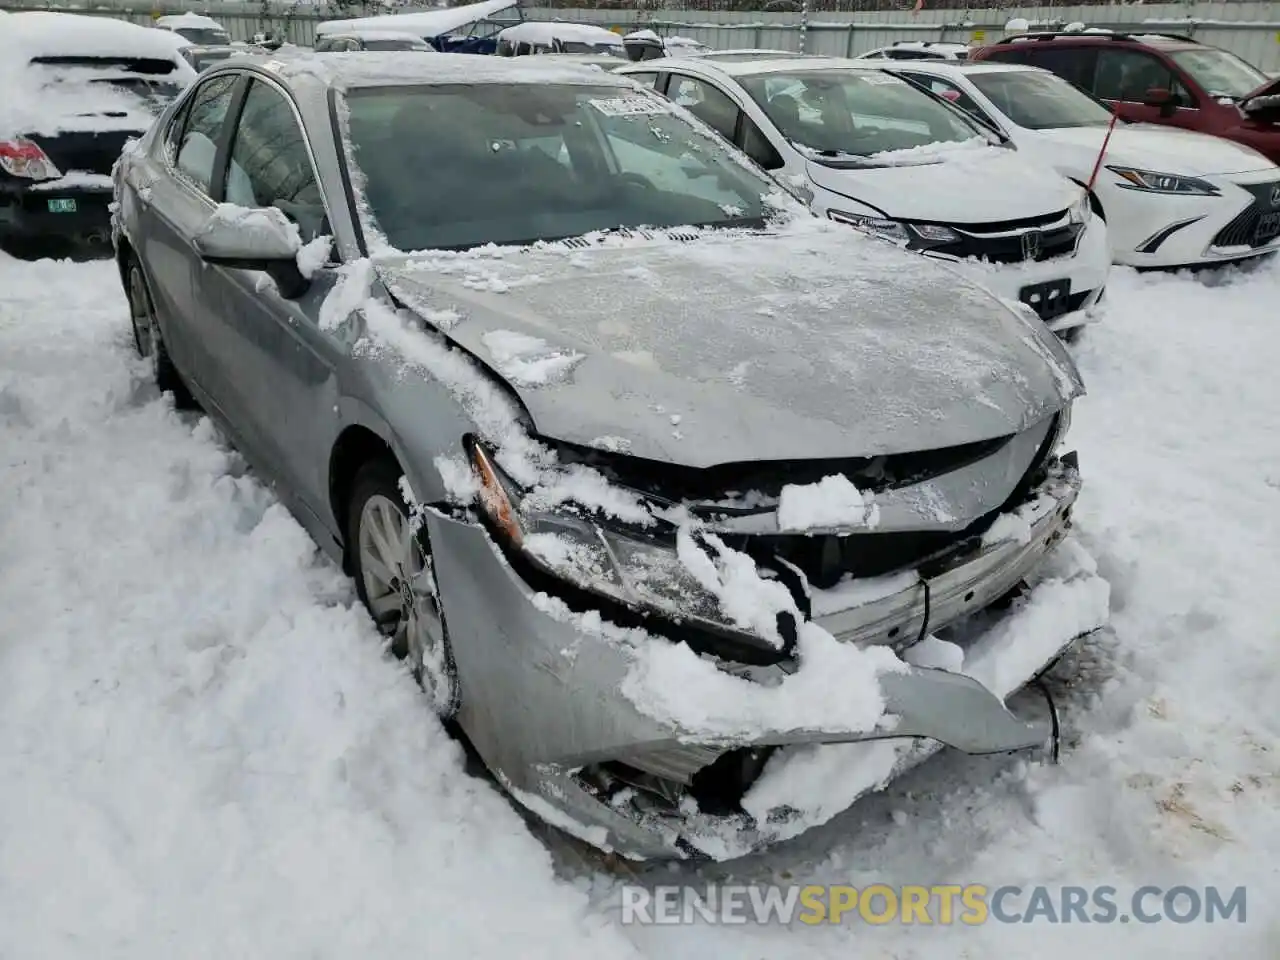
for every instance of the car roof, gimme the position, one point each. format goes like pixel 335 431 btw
pixel 925 45
pixel 752 53
pixel 304 69
pixel 960 67
pixel 776 64
pixel 1098 36
pixel 189 20
pixel 40 33
pixel 368 33
pixel 432 22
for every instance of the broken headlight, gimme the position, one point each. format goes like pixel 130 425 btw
pixel 633 566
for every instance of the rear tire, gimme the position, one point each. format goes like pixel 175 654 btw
pixel 147 339
pixel 395 579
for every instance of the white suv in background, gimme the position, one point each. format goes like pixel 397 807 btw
pixel 1171 198
pixel 883 155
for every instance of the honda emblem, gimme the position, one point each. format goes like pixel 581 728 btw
pixel 1031 245
pixel 1275 196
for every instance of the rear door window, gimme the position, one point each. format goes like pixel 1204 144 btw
pixel 198 144
pixel 1072 63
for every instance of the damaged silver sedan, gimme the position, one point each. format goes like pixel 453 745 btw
pixel 659 484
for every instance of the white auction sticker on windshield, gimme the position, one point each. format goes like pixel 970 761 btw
pixel 637 106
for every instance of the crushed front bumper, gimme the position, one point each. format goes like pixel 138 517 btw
pixel 542 701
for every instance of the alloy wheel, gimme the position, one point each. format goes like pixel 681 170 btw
pixel 400 588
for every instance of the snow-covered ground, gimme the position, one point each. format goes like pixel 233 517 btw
pixel 203 751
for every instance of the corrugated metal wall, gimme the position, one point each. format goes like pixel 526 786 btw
pixel 1250 29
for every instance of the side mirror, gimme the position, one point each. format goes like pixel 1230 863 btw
pixel 260 238
pixel 1163 99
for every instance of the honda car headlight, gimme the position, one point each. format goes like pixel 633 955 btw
pixel 635 567
pixel 1153 182
pixel 917 234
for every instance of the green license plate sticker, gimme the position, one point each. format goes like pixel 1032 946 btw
pixel 62 206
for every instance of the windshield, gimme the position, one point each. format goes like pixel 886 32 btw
pixel 1222 74
pixel 1040 101
pixel 206 36
pixel 518 163
pixel 856 113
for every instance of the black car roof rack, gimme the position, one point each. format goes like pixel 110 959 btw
pixel 1101 35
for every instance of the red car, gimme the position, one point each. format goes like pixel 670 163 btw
pixel 1159 78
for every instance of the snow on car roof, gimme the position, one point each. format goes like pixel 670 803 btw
pixel 789 64
pixel 960 67
pixel 427 23
pixel 34 34
pixel 188 20
pixel 926 45
pixel 393 68
pixel 368 34
pixel 546 31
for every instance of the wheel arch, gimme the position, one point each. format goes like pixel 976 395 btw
pixel 355 446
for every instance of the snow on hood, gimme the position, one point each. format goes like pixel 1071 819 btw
pixel 970 182
pixel 1164 149
pixel 740 346
pixel 428 23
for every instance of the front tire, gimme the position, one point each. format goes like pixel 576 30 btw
pixel 396 581
pixel 147 339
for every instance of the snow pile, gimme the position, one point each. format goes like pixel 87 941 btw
pixel 836 690
pixel 831 503
pixel 349 291
pixel 427 23
pixel 942 150
pixel 204 750
pixel 313 255
pixel 1169 770
pixel 529 361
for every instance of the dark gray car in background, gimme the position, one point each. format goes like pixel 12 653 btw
pixel 511 343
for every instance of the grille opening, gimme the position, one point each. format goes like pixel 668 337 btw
pixel 672 482
pixel 1051 243
pixel 1248 228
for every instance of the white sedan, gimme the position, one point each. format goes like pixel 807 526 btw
pixel 1170 197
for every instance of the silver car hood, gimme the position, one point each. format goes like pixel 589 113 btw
pixel 731 347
